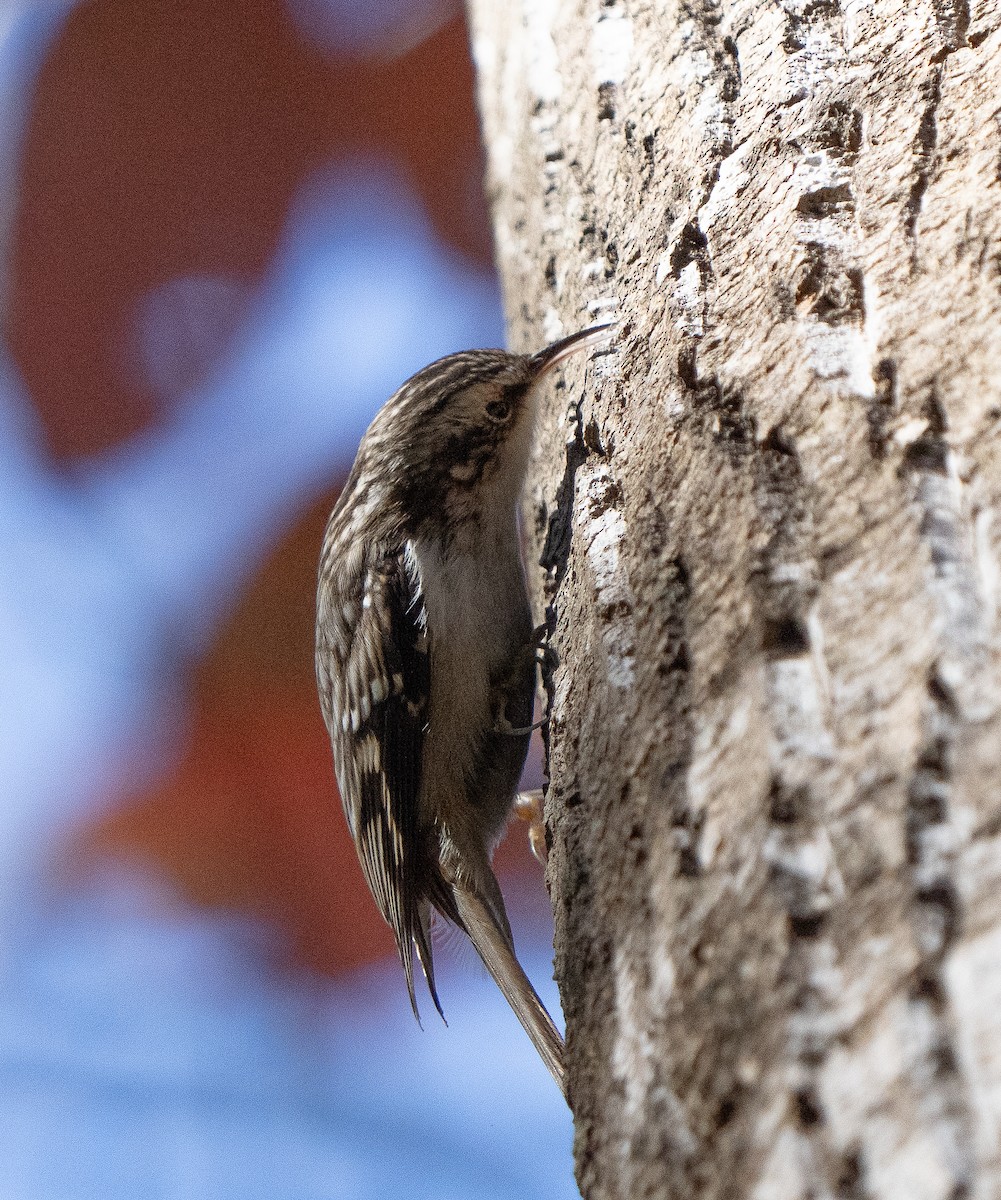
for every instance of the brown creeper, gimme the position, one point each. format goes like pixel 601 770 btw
pixel 426 657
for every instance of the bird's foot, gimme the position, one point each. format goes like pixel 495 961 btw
pixel 528 807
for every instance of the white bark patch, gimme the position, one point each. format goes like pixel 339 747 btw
pixel 484 52
pixel 688 294
pixel 806 873
pixel 974 986
pixel 730 179
pixel 954 576
pixel 662 977
pixel 634 1058
pixel 987 565
pixel 908 432
pixel 603 307
pixel 632 1054
pixel 909 1153
pixel 798 710
pixel 563 686
pixel 603 533
pixel 552 325
pixel 612 46
pixel 543 66
pixel 842 350
pixel 784 1173
pixel 718 734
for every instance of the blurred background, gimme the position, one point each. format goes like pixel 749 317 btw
pixel 228 230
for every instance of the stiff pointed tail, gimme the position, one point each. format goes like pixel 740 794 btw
pixel 495 948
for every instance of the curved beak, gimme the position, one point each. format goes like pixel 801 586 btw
pixel 546 359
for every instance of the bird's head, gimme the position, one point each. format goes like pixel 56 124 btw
pixel 453 442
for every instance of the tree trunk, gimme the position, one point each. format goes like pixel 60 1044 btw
pixel 769 526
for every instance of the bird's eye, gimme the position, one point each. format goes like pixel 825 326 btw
pixel 499 410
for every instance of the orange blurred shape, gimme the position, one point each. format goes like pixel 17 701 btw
pixel 168 138
pixel 251 821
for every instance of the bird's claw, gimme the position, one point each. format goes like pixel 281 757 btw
pixel 528 807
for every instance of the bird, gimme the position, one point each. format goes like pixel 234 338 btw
pixel 426 655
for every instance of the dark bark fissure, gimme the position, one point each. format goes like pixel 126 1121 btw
pixel 883 407
pixel 924 150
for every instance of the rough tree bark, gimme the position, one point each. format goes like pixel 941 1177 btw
pixel 769 529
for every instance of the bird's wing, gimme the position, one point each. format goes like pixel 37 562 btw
pixel 374 677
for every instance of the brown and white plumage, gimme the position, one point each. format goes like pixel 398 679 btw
pixel 375 702
pixel 425 655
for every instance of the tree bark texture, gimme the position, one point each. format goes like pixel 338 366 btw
pixel 769 527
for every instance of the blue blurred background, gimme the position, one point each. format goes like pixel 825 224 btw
pixel 228 230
